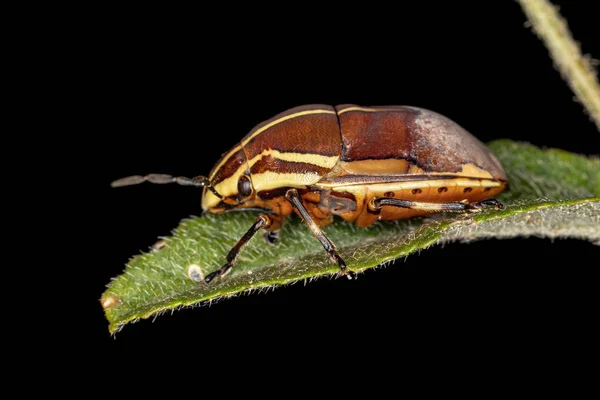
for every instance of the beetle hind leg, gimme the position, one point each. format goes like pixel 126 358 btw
pixel 488 204
pixel 462 206
pixel 294 198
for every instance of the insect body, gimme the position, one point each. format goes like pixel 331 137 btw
pixel 363 164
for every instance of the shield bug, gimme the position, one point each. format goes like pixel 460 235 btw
pixel 362 164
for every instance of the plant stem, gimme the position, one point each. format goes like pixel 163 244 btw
pixel 576 69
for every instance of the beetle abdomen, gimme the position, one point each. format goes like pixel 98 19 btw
pixel 426 141
pixel 410 154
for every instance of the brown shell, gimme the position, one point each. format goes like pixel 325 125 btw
pixel 422 137
pixel 316 132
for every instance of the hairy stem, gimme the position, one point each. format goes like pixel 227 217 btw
pixel 576 69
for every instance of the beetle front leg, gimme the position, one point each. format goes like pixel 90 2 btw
pixel 294 198
pixel 263 221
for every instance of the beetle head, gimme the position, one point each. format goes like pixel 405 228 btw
pixel 231 181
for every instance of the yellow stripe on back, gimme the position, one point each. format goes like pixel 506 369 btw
pixel 315 159
pixel 264 128
pixel 367 109
pixel 269 180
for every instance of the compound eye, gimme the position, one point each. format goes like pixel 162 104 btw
pixel 244 186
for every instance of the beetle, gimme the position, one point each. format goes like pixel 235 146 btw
pixel 363 164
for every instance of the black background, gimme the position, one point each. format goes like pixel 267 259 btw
pixel 168 91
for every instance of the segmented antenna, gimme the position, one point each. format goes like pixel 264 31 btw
pixel 161 179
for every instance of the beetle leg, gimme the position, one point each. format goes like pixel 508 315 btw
pixel 294 198
pixel 161 179
pixel 263 221
pixel 489 203
pixel 271 237
pixel 377 202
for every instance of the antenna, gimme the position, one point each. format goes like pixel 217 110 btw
pixel 161 179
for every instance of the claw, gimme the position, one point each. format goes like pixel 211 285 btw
pixel 491 203
pixel 220 272
pixel 348 274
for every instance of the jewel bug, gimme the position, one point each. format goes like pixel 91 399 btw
pixel 362 164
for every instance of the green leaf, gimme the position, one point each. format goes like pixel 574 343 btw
pixel 552 194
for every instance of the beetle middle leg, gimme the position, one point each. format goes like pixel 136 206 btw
pixel 263 221
pixel 294 198
pixel 462 206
